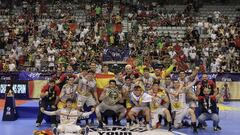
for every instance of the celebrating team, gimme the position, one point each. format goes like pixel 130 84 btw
pixel 143 96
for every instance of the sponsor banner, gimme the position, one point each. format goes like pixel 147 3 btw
pixel 34 76
pixel 45 76
pixel 113 53
pixel 228 77
pixel 121 130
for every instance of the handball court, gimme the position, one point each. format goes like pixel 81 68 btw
pixel 25 124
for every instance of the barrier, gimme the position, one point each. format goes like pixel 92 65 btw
pixel 28 84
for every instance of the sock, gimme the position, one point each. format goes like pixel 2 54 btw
pixel 129 121
pixel 170 126
pixel 160 119
pixel 194 125
pixel 134 121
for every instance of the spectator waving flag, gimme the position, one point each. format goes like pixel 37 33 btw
pixel 102 81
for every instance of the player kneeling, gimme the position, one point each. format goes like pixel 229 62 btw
pixel 111 98
pixel 159 97
pixel 68 119
pixel 140 102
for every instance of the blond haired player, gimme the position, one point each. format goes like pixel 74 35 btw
pixel 159 97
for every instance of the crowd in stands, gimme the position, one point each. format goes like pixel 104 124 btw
pixel 66 45
pixel 33 45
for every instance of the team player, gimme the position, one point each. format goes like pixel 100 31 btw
pixel 87 93
pixel 179 106
pixel 68 119
pixel 147 80
pixel 111 98
pixel 140 102
pixel 68 91
pixel 159 98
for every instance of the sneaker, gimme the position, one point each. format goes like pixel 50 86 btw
pixel 117 123
pixel 134 126
pixel 86 130
pixel 195 130
pixel 170 129
pixel 148 127
pixel 170 126
pixel 205 124
pixel 100 125
pixel 38 124
pixel 217 128
pixel 186 124
pixel 128 125
pixel 53 125
pixel 55 131
pixel 200 126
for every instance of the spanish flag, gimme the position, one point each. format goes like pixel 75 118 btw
pixel 102 80
pixel 35 87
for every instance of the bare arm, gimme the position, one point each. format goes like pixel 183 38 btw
pixel 194 73
pixel 50 113
pixel 198 89
pixel 96 96
pixel 192 83
pixel 103 95
pixel 42 95
pixel 192 95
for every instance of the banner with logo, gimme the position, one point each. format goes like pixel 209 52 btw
pixel 33 76
pixel 113 53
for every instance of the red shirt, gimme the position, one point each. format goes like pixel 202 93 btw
pixel 201 98
pixel 210 85
pixel 237 41
pixel 56 89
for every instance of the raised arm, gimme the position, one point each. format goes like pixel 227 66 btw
pixel 169 69
pixel 192 83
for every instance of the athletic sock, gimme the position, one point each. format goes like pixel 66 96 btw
pixel 194 125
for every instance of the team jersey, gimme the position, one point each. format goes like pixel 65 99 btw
pixel 157 100
pixel 164 73
pixel 87 87
pixel 141 101
pixel 147 82
pixel 177 102
pixel 68 91
pixel 68 115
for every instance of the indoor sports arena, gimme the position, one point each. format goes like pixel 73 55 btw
pixel 119 67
